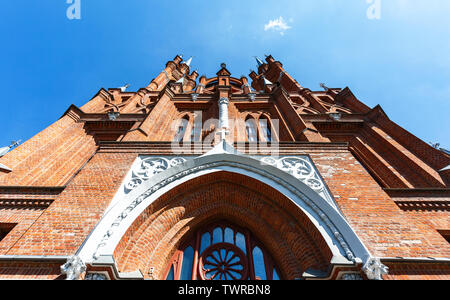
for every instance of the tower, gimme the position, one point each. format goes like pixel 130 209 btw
pixel 224 178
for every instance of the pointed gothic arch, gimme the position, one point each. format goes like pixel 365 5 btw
pixel 177 215
pixel 182 127
pixel 221 250
pixel 324 221
pixel 251 129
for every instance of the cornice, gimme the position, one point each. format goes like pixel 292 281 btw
pixel 166 147
pixel 28 196
pixel 73 112
pixel 423 260
pixel 104 94
pixel 79 116
pixel 33 258
pixel 325 118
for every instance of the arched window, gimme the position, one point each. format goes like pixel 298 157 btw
pixel 264 125
pixel 181 131
pixel 222 251
pixel 252 133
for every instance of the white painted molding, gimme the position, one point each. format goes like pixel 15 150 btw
pixel 338 234
pixel 5 168
pixel 302 168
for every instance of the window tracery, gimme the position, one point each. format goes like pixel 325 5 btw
pixel 222 251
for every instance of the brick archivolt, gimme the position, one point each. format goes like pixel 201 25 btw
pixel 323 223
pixel 154 237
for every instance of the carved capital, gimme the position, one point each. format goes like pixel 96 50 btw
pixel 374 269
pixel 73 268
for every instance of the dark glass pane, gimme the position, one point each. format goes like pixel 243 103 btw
pixel 206 241
pixel 240 242
pixel 275 275
pixel 217 235
pixel 263 123
pixel 258 262
pixel 186 269
pixel 229 236
pixel 171 275
pixel 251 130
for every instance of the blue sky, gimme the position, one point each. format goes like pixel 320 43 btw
pixel 400 61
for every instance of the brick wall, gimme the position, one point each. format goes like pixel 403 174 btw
pixel 288 235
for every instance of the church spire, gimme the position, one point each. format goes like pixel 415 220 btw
pixel 188 62
pixel 259 61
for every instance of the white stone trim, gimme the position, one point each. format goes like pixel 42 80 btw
pixel 340 237
pixel 302 168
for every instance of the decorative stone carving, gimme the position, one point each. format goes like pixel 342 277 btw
pixel 374 269
pixel 301 168
pixel 157 186
pixel 149 167
pixel 73 268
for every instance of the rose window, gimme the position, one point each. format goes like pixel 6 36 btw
pixel 224 262
pixel 222 251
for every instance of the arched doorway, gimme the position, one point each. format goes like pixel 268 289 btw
pixel 143 229
pixel 264 217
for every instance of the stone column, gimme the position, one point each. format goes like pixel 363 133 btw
pixel 223 117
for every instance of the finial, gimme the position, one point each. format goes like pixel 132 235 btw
pixel 181 80
pixel 124 88
pixel 188 62
pixel 322 85
pixel 258 61
pixel 435 145
pixel 223 65
pixel 5 150
pixel 266 81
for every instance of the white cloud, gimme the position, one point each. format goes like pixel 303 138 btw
pixel 277 25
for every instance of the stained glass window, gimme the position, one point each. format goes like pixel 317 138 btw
pixel 222 251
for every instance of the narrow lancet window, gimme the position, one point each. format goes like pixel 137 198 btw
pixel 252 134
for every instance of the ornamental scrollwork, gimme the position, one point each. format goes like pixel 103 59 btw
pixel 157 186
pixel 73 268
pixel 302 169
pixel 148 168
pixel 298 167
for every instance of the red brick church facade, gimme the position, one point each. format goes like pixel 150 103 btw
pixel 225 178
